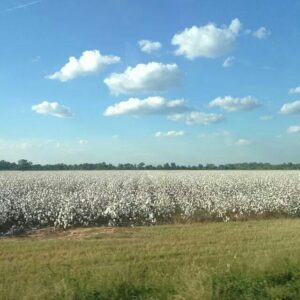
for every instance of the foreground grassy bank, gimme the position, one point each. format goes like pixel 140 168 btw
pixel 242 260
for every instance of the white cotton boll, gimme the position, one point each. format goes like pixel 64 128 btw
pixel 67 199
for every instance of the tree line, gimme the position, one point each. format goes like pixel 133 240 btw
pixel 25 165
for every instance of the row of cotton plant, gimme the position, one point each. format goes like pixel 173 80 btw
pixel 63 199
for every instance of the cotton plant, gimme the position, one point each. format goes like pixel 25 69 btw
pixel 30 200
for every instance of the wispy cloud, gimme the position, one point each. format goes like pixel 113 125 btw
pixel 20 6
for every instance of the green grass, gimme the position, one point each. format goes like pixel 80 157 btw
pixel 242 260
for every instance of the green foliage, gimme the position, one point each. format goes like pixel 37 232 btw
pixel 24 164
pixel 278 281
pixel 121 291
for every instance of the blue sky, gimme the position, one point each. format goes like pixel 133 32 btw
pixel 155 81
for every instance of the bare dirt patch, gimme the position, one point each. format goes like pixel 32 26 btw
pixel 69 234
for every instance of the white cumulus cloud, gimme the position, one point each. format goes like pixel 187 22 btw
pixel 171 133
pixel 206 41
pixel 295 90
pixel 89 62
pixel 243 142
pixel 291 108
pixel 261 33
pixel 228 62
pixel 231 104
pixel 142 78
pixel 148 106
pixel 52 109
pixel 149 46
pixel 197 117
pixel 294 129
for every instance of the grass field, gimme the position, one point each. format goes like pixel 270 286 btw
pixel 241 260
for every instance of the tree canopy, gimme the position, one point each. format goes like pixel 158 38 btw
pixel 25 165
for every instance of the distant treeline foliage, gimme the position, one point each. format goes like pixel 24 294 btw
pixel 24 165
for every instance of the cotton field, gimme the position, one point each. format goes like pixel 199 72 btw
pixel 30 200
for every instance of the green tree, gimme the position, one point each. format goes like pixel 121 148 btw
pixel 24 164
